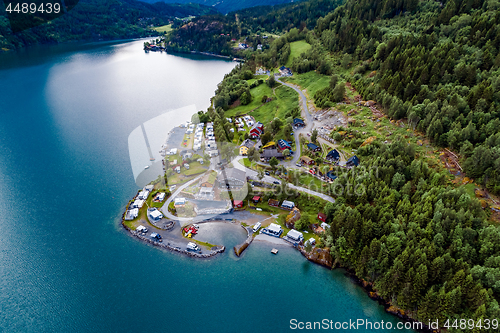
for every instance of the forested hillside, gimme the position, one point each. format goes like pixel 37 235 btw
pixel 204 33
pixel 99 19
pixel 436 66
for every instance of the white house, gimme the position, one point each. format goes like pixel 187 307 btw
pixel 132 214
pixel 273 229
pixel 161 196
pixel 155 214
pixel 295 235
pixel 138 203
pixel 288 204
pixel 179 201
pixel 143 195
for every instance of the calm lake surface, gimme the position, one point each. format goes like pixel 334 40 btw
pixel 66 265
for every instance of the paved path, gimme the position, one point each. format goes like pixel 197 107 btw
pixel 309 124
pixel 268 179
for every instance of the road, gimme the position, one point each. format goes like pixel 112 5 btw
pixel 268 179
pixel 308 120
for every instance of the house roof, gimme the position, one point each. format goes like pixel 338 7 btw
pixel 322 215
pixel 237 202
pixel 312 146
pixel 283 144
pixel 248 143
pixel 297 121
pixel 274 227
pixel 331 175
pixel 255 198
pixel 306 159
pixel 243 150
pixel 333 154
pixel 353 160
pixel 269 144
pixel 273 202
pixel 295 234
pixel 269 153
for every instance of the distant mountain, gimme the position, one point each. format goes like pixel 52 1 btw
pixel 100 20
pixel 226 6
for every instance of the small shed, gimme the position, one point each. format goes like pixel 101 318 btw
pixel 256 199
pixel 322 217
pixel 237 203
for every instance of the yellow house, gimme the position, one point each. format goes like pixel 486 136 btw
pixel 244 151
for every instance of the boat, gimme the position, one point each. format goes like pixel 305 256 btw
pixel 146 167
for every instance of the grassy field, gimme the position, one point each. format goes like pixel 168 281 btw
pixel 296 49
pixel 311 81
pixel 164 28
pixel 284 99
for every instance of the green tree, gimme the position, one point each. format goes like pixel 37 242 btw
pixel 314 136
pixel 273 162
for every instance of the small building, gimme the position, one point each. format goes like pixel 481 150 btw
pixel 282 144
pixel 131 214
pixel 353 161
pixel 297 122
pixel 307 160
pixel 312 147
pixel 269 145
pixel 143 195
pixel 257 130
pixel 177 169
pixel 155 214
pixel 270 153
pixel 287 204
pixel 273 230
pixel 330 175
pixel 333 155
pixel 243 151
pixel 148 188
pixel 273 202
pixel 294 237
pixel 160 196
pixel 137 204
pixel 311 241
pixel 256 199
pixel 179 201
pixel 237 203
pixel 248 143
pixel 322 217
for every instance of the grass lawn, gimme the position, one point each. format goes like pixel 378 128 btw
pixel 257 93
pixel 164 28
pixel 296 49
pixel 311 81
pixel 284 99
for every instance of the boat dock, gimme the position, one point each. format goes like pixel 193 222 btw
pixel 274 251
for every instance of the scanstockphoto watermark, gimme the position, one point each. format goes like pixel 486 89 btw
pixel 353 325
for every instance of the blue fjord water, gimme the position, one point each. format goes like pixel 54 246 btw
pixel 66 265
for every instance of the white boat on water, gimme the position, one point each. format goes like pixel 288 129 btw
pixel 146 167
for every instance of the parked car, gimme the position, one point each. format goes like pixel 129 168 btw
pixel 267 173
pixel 277 182
pixel 298 165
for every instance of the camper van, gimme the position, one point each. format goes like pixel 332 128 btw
pixel 256 227
pixel 192 247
